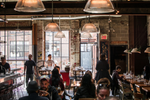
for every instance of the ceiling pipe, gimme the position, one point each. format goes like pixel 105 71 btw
pixel 62 18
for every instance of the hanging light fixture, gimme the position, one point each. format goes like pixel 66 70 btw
pixel 86 35
pixel 60 34
pixel 99 6
pixel 147 50
pixel 53 27
pixel 135 50
pixel 29 6
pixel 89 27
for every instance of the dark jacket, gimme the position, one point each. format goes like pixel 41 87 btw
pixel 33 96
pixel 115 77
pixel 83 92
pixel 102 68
pixel 54 92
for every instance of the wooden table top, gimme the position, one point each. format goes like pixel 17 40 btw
pixel 147 89
pixel 134 81
pixel 141 85
pixel 44 70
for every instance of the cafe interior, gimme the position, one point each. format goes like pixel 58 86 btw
pixel 76 33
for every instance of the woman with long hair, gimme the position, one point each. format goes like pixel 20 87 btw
pixel 87 89
pixel 102 68
pixel 55 80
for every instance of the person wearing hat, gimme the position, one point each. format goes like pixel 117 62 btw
pixel 33 90
pixel 47 90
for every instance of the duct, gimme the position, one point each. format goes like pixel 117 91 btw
pixel 62 18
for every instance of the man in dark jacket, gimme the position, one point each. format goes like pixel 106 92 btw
pixel 115 77
pixel 32 90
pixel 47 90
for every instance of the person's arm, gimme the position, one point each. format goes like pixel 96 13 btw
pixel 97 66
pixel 62 84
pixel 77 96
pixel 35 71
pixel 118 77
pixel 9 67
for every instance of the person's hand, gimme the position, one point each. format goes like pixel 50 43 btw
pixel 43 93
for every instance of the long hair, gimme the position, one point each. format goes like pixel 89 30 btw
pixel 86 82
pixel 55 77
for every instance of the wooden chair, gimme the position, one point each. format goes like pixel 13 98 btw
pixel 138 96
pixel 124 91
pixel 87 99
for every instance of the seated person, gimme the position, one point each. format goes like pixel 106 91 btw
pixel 4 64
pixel 46 89
pixel 103 88
pixel 32 90
pixel 115 77
pixel 55 80
pixel 90 73
pixel 87 89
pixel 146 72
pixel 58 68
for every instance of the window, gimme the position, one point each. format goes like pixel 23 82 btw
pixel 58 48
pixel 17 47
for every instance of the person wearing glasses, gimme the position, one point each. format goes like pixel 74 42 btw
pixel 103 88
pixel 87 89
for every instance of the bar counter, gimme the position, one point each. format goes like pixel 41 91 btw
pixel 9 77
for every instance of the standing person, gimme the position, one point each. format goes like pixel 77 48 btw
pixel 4 64
pixel 28 67
pixel 102 68
pixel 33 90
pixel 47 90
pixel 87 89
pixel 50 63
pixel 115 77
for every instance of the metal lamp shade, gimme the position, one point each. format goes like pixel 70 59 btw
pixel 60 34
pixel 126 51
pixel 52 27
pixel 135 50
pixel 86 35
pixel 89 27
pixel 29 6
pixel 99 6
pixel 147 50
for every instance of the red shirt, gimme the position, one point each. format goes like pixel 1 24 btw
pixel 61 83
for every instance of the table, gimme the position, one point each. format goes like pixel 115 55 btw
pixel 147 91
pixel 74 86
pixel 9 77
pixel 46 70
pixel 15 69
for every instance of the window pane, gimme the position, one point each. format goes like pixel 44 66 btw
pixel 65 49
pixel 57 61
pixel 65 40
pixel 20 64
pixel 65 61
pixel 49 38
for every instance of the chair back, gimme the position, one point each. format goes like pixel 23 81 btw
pixel 121 86
pixel 138 96
pixel 87 99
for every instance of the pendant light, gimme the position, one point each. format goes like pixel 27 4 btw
pixel 147 50
pixel 89 27
pixel 86 35
pixel 60 34
pixel 29 6
pixel 135 50
pixel 52 27
pixel 99 6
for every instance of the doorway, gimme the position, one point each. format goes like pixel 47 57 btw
pixel 118 57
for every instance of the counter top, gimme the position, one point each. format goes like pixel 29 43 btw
pixel 9 77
